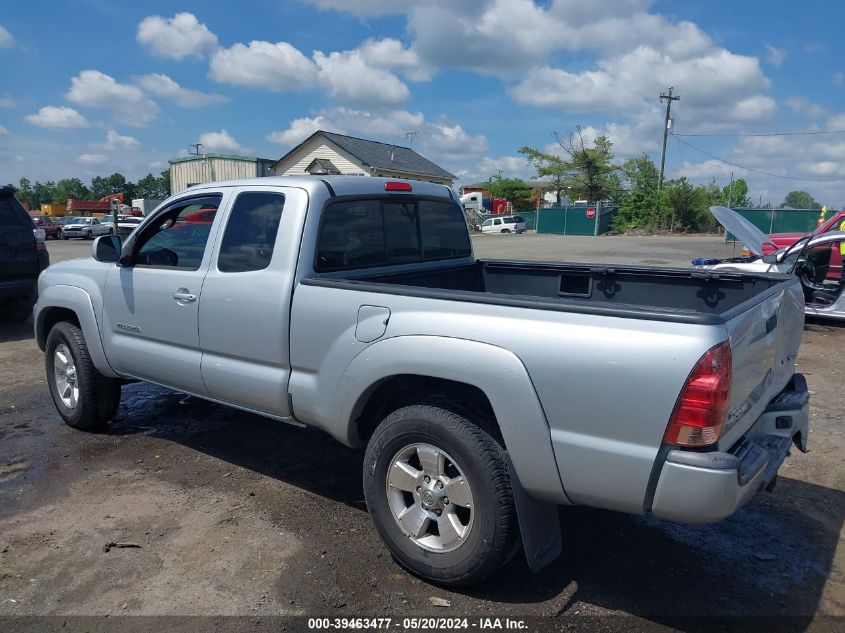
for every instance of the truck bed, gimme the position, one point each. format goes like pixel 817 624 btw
pixel 683 295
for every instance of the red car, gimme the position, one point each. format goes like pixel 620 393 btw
pixel 783 240
pixel 52 229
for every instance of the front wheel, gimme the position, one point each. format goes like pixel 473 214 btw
pixel 89 235
pixel 506 230
pixel 83 396
pixel 59 235
pixel 438 491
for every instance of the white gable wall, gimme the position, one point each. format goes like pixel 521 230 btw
pixel 295 164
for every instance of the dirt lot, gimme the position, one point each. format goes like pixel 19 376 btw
pixel 232 514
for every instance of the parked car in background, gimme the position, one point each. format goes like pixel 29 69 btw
pixel 486 392
pixel 86 228
pixel 810 262
pixel 777 241
pixel 504 224
pixel 125 224
pixel 52 229
pixel 23 255
pixel 67 219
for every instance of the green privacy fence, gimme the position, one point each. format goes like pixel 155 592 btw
pixel 780 220
pixel 575 219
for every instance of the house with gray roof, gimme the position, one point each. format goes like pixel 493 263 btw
pixel 324 153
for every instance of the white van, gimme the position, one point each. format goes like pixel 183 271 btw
pixel 504 224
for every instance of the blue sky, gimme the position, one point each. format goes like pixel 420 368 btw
pixel 91 87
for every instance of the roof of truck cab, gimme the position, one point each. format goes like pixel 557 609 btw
pixel 340 185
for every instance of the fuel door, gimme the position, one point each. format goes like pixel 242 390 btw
pixel 372 323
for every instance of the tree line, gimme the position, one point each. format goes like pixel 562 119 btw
pixel 588 171
pixel 149 186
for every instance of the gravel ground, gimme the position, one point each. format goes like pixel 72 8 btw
pixel 232 514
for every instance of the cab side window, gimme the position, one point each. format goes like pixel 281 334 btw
pixel 251 232
pixel 178 236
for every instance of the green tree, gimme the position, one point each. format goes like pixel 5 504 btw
pixel 800 200
pixel 164 184
pixel 593 174
pixel 736 194
pixel 685 204
pixel 517 191
pixel 639 206
pixel 43 192
pixel 550 168
pixel 69 188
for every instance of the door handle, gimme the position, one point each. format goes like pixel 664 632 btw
pixel 183 296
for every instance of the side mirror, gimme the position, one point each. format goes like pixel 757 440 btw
pixel 107 248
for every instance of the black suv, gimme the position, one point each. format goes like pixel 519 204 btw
pixel 22 258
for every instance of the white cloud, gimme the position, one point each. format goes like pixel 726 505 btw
pixel 158 164
pixel 163 86
pixel 775 56
pixel 300 129
pixel 390 53
pixel 177 37
pixel 128 103
pixel 277 67
pixel 361 76
pixel 115 141
pixel 6 39
pixel 497 37
pixel 92 159
pixel 753 108
pixel 3 130
pixel 7 102
pixel 346 76
pixel 836 122
pixel 802 105
pixel 838 78
pixel 57 118
pixel 222 141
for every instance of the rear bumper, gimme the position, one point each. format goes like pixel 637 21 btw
pixel 708 487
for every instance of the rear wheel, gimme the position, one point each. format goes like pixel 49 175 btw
pixel 83 396
pixel 506 230
pixel 438 491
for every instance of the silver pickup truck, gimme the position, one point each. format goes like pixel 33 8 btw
pixel 485 392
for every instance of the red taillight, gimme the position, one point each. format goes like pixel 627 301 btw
pixel 703 404
pixel 392 185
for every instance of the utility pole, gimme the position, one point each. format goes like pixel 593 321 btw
pixel 196 147
pixel 669 99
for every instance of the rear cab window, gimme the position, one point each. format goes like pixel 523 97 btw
pixel 370 232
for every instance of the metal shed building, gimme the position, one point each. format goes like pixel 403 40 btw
pixel 195 170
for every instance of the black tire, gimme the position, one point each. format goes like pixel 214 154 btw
pixel 506 230
pixel 89 236
pixel 99 396
pixel 59 235
pixel 17 310
pixel 493 535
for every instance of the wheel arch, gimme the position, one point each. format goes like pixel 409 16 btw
pixel 69 303
pixel 478 377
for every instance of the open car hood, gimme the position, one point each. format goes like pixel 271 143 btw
pixel 745 232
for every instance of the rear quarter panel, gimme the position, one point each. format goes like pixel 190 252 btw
pixel 605 386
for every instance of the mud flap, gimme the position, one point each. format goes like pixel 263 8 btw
pixel 539 526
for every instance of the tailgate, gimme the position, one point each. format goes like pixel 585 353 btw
pixel 764 344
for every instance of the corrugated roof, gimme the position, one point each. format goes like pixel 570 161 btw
pixel 383 155
pixel 249 159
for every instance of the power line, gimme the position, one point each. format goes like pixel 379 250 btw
pixel 752 134
pixel 751 169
